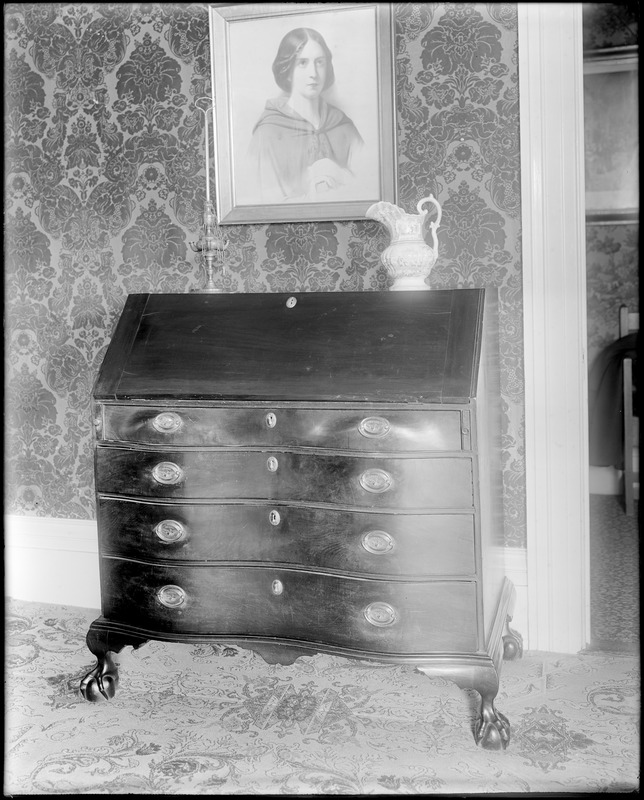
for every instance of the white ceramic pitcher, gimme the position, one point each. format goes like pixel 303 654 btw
pixel 408 258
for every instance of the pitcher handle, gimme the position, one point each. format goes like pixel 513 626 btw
pixel 434 223
pixel 431 199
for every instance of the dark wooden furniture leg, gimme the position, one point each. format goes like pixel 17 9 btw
pixel 512 642
pixel 492 729
pixel 101 681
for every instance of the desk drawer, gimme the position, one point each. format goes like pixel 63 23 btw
pixel 348 541
pixel 388 482
pixel 374 615
pixel 366 431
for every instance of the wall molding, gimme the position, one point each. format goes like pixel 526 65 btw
pixel 51 560
pixel 555 338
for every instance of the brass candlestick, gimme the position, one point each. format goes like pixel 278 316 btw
pixel 210 245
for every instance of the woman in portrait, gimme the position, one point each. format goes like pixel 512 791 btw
pixel 303 148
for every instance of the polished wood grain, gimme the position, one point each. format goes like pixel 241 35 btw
pixel 416 483
pixel 430 616
pixel 421 544
pixel 317 475
pixel 358 346
pixel 128 323
pixel 275 426
pixel 464 349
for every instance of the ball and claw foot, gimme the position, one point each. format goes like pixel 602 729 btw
pixel 100 682
pixel 512 644
pixel 492 728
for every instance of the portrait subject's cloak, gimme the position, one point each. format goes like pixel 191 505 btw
pixel 284 145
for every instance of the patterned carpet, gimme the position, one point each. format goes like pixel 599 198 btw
pixel 197 719
pixel 614 575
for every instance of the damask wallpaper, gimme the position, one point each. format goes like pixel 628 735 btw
pixel 610 24
pixel 104 175
pixel 612 278
pixel 612 251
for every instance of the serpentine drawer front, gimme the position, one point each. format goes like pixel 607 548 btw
pixel 332 539
pixel 282 427
pixel 375 615
pixel 305 473
pixel 390 482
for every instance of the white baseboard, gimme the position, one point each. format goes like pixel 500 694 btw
pixel 50 560
pixel 605 480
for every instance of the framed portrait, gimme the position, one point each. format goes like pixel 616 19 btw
pixel 611 134
pixel 304 111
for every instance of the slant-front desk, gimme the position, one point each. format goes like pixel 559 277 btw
pixel 314 472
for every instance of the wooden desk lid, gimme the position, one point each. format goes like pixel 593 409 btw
pixel 399 347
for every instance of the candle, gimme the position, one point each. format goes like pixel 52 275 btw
pixel 214 155
pixel 205 119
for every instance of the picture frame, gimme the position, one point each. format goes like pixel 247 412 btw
pixel 321 144
pixel 611 135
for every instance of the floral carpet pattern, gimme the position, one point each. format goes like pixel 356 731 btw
pixel 614 575
pixel 210 719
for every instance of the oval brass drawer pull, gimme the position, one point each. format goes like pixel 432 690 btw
pixel 272 464
pixel 374 427
pixel 274 517
pixel 166 422
pixel 380 614
pixel 377 542
pixel 277 587
pixel 170 530
pixel 376 481
pixel 167 473
pixel 172 596
pixel 271 420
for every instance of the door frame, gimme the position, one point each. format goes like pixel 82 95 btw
pixel 555 338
